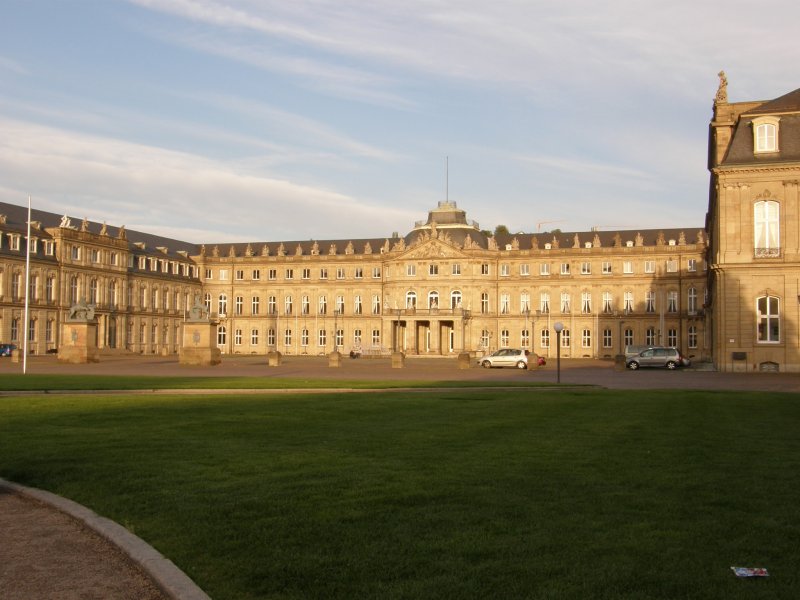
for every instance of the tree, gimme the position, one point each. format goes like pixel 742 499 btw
pixel 501 230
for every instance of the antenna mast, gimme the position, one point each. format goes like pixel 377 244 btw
pixel 447 178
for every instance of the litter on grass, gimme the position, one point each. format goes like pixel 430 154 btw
pixel 750 571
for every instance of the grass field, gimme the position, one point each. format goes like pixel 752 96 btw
pixel 435 494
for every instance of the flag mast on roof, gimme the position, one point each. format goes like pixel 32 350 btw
pixel 26 323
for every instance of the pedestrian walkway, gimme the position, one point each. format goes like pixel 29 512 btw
pixel 52 548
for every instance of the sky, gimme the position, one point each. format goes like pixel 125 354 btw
pixel 261 120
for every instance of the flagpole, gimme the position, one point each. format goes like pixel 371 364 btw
pixel 26 324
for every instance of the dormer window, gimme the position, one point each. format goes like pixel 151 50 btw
pixel 765 134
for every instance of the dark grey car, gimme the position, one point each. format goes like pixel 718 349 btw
pixel 658 356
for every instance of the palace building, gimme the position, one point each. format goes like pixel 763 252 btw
pixel 721 292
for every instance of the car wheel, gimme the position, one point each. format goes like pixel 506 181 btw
pixel 522 365
pixel 671 365
pixel 486 364
pixel 633 365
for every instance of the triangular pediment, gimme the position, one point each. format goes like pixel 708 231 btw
pixel 433 248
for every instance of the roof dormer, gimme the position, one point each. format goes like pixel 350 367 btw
pixel 765 134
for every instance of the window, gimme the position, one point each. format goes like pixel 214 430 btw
pixel 525 338
pixel 544 302
pixel 586 338
pixel 73 289
pixel 206 301
pixel 524 303
pixel 359 273
pixel 95 255
pixel 305 305
pixel 49 290
pixel 16 285
pixel 338 338
pixel 289 274
pixel 255 305
pixel 691 265
pixel 76 253
pixel 692 331
pixel 607 268
pixel 256 274
pixel 322 304
pixel 505 304
pixel 607 339
pixel 504 338
pixel 323 273
pixel 484 268
pixel 358 307
pixel 672 337
pixel 565 302
pixel 357 338
pixel 411 270
pixel 586 268
pixel 376 272
pixel 627 267
pixel 768 319
pixel 287 305
pixel 433 269
pixel 766 134
pixel 222 304
pixel 766 223
pixel 672 302
pixel 222 335
pixel 484 303
pixel 272 305
pixel 287 337
pixel 304 337
pixel 524 270
pixel 586 303
pixel 505 270
pixel 376 304
pixel 628 302
pixel 48 331
pixel 306 273
pixel 49 248
pixel 565 268
pixel 376 338
pixel 544 269
pixel 456 269
pixel 433 299
pixel 239 274
pixel 237 337
pixel 691 300
pixel 223 274
pixel 254 337
pixel 14 330
pixel 672 266
pixel 271 337
pixel 628 336
pixel 272 274
pixel 650 302
pixel 455 299
pixel 565 338
pixel 649 266
pixel 650 336
pixel 608 306
pixel 239 305
pixel 485 338
pixel 544 338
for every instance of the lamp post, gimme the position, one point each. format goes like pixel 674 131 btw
pixel 559 327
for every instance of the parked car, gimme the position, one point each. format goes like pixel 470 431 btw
pixel 7 349
pixel 505 357
pixel 658 356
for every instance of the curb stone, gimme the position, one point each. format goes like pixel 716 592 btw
pixel 168 577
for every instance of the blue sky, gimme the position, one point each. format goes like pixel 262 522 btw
pixel 248 120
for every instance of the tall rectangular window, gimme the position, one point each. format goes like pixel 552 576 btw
pixel 607 340
pixel 766 221
pixel 768 319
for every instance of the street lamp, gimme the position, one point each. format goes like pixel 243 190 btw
pixel 559 327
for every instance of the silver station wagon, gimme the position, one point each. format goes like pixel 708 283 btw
pixel 505 357
pixel 658 356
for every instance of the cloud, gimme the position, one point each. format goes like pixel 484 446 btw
pixel 124 183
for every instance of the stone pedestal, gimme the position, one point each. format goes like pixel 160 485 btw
pixel 464 360
pixel 533 362
pixel 619 362
pixel 335 359
pixel 79 343
pixel 274 358
pixel 16 356
pixel 398 360
pixel 199 347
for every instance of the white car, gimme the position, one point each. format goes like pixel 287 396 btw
pixel 505 357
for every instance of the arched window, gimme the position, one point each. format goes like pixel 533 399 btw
pixel 411 299
pixel 433 299
pixel 768 319
pixel 222 335
pixel 222 304
pixel 455 299
pixel 766 225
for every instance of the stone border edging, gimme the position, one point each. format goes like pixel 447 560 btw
pixel 163 572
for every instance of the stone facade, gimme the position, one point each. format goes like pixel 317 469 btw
pixel 754 226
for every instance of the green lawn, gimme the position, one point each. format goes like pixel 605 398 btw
pixel 445 494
